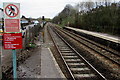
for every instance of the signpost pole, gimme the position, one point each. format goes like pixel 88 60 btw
pixel 14 64
pixel 12 40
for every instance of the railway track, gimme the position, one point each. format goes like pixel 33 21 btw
pixel 78 66
pixel 111 55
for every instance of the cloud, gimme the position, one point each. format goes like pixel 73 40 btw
pixel 38 8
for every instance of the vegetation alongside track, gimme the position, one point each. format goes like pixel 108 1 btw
pixel 101 17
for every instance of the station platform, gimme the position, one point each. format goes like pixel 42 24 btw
pixel 41 64
pixel 105 36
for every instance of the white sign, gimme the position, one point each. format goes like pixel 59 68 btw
pixel 11 10
pixel 11 17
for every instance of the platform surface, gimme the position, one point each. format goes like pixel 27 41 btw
pixel 41 64
pixel 109 37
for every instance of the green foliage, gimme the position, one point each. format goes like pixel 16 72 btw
pixel 31 45
pixel 66 15
pixel 104 19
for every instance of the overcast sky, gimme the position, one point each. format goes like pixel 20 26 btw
pixel 38 8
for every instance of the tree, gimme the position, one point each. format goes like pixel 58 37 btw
pixel 89 5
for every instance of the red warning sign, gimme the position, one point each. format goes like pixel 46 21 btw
pixel 12 25
pixel 11 10
pixel 12 40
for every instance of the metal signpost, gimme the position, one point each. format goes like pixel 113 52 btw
pixel 1 17
pixel 12 37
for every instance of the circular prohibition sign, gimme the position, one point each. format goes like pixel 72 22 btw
pixel 9 8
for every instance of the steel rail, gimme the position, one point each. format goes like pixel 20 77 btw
pixel 94 43
pixel 92 48
pixel 78 55
pixel 61 55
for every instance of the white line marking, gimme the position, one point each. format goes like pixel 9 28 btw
pixel 56 64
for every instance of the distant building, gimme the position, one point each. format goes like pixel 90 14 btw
pixel 36 22
pixel 24 20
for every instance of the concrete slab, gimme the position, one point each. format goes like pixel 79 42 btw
pixel 49 66
pixel 40 65
pixel 31 67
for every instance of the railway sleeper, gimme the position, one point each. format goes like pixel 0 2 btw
pixel 82 72
pixel 80 69
pixel 69 54
pixel 77 66
pixel 71 57
pixel 66 51
pixel 85 77
pixel 63 47
pixel 72 60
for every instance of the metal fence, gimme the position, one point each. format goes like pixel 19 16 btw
pixel 29 36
